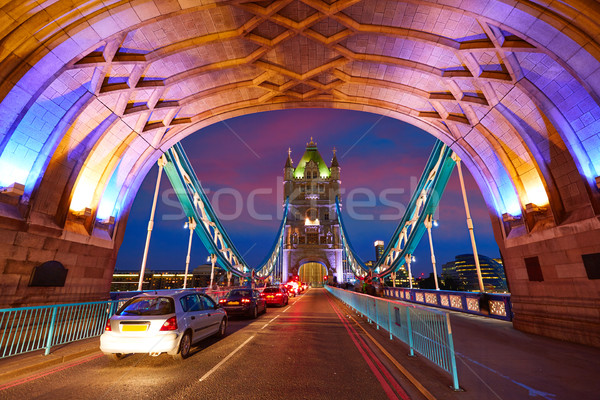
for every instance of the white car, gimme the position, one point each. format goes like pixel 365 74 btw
pixel 162 323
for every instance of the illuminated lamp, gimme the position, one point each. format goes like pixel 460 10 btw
pixel 506 217
pixel 308 222
pixel 108 221
pixel 86 212
pixel 598 182
pixel 14 189
pixel 532 208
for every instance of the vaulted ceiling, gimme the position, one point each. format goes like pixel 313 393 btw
pixel 92 92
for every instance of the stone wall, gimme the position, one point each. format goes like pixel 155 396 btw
pixel 566 304
pixel 24 245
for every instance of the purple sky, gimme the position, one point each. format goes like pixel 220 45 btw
pixel 245 155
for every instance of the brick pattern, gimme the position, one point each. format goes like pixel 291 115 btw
pixel 564 304
pixel 90 269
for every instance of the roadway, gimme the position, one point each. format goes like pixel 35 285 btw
pixel 315 348
pixel 307 350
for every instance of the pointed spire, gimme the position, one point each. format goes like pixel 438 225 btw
pixel 334 161
pixel 288 162
pixel 311 144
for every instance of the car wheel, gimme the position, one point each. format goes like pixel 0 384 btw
pixel 222 328
pixel 255 312
pixel 115 356
pixel 184 347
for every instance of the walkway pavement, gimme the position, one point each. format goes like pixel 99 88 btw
pixel 496 361
pixel 29 363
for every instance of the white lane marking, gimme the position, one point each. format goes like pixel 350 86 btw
pixel 265 325
pixel 206 375
pixel 286 309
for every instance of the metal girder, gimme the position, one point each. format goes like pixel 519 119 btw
pixel 268 264
pixel 411 228
pixel 195 204
pixel 354 262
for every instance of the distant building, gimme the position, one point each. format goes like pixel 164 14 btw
pixel 155 280
pixel 125 281
pixel 462 272
pixel 312 246
pixel 379 248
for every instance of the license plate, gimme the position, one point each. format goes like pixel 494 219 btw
pixel 233 303
pixel 134 328
pixel 269 297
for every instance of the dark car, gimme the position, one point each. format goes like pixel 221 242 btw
pixel 244 302
pixel 275 295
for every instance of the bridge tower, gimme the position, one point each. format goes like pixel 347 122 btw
pixel 312 231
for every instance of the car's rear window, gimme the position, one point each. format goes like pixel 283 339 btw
pixel 240 293
pixel 148 306
pixel 271 290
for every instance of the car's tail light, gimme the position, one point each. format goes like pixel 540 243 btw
pixel 262 295
pixel 223 301
pixel 108 328
pixel 170 324
pixel 245 300
pixel 279 295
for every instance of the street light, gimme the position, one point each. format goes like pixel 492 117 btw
pixel 191 225
pixel 409 258
pixel 469 221
pixel 162 161
pixel 213 260
pixel 429 222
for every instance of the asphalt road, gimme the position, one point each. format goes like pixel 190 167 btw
pixel 307 350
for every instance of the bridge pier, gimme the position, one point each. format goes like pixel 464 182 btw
pixel 24 245
pixel 552 292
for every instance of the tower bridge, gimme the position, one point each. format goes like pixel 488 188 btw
pixel 94 93
pixel 312 236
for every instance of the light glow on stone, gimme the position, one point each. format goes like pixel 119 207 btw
pixel 83 194
pixel 108 203
pixel 12 172
pixel 537 195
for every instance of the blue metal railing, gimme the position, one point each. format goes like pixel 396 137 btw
pixel 28 329
pixel 492 305
pixel 426 331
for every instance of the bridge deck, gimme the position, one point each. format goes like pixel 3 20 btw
pixel 310 351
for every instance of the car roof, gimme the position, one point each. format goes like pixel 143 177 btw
pixel 176 293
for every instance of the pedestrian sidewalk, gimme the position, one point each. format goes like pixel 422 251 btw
pixel 27 363
pixel 496 361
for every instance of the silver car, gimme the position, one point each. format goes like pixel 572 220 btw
pixel 162 323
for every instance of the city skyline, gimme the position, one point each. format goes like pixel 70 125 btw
pixel 380 160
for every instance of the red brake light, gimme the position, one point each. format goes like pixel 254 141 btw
pixel 170 324
pixel 108 328
pixel 245 300
pixel 222 301
pixel 279 294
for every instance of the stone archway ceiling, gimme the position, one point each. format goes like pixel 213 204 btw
pixel 90 94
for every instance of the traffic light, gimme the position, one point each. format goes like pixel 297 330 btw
pixel 325 278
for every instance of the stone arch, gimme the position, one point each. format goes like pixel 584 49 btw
pixel 90 99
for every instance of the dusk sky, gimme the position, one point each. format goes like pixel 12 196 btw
pixel 245 155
